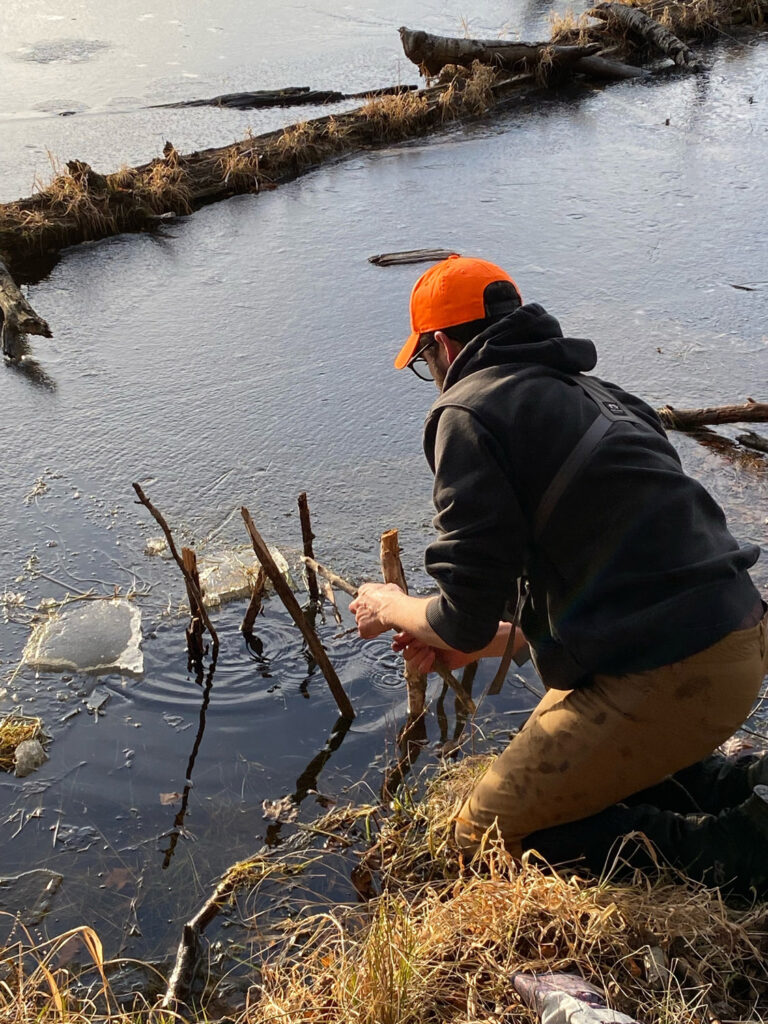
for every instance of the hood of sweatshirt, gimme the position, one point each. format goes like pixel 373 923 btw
pixel 529 336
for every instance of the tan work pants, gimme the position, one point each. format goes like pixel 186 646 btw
pixel 583 750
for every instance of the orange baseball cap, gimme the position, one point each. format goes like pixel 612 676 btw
pixel 451 292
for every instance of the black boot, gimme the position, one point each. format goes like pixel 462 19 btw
pixel 709 786
pixel 726 850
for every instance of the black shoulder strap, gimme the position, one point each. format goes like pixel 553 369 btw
pixel 611 411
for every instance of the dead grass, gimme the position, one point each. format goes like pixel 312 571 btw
pixel 165 186
pixel 397 116
pixel 567 28
pixel 302 143
pixel 441 940
pixel 239 166
pixel 14 729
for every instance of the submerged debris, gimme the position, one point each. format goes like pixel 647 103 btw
pixel 92 636
pixel 15 731
pixel 29 756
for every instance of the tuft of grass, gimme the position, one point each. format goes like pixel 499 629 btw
pixel 398 115
pixel 567 28
pixel 239 166
pixel 302 142
pixel 15 729
pixel 165 186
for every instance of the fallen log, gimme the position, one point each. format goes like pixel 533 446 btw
pixel 432 53
pixel 749 439
pixel 75 208
pixel 292 96
pixel 608 70
pixel 653 33
pixel 691 419
pixel 18 318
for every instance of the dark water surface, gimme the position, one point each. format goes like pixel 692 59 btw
pixel 246 355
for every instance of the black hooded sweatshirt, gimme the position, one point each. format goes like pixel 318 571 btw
pixel 635 568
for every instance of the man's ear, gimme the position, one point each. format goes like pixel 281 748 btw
pixel 449 346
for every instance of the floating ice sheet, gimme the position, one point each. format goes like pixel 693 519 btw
pixel 229 574
pixel 90 636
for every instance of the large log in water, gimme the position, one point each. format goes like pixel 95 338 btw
pixel 433 53
pixel 80 205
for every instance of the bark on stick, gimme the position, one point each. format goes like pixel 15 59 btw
pixel 193 585
pixel 286 595
pixel 392 571
pixel 307 537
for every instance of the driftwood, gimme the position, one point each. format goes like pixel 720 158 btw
pixel 432 53
pixel 756 442
pixel 292 96
pixel 292 606
pixel 392 571
pixel 18 318
pixel 691 419
pixel 196 606
pixel 195 628
pixel 652 32
pixel 463 697
pixel 399 259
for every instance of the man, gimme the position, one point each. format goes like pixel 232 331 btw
pixel 636 601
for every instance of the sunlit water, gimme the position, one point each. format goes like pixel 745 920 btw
pixel 246 355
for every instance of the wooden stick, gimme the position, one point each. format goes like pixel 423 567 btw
pixel 392 571
pixel 254 606
pixel 689 419
pixel 18 317
pixel 195 628
pixel 307 538
pixel 193 588
pixel 332 577
pixel 292 605
pixel 439 666
pixel 331 599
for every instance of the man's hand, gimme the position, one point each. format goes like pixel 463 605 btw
pixel 422 657
pixel 371 608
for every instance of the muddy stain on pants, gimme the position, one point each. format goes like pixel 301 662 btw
pixel 583 750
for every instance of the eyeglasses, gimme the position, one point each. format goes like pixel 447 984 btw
pixel 419 364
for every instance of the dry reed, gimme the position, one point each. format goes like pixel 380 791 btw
pixel 15 729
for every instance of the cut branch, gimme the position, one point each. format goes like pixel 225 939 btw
pixel 439 666
pixel 433 53
pixel 650 31
pixel 392 571
pixel 286 595
pixel 193 585
pixel 307 537
pixel 690 419
pixel 18 318
pixel 254 605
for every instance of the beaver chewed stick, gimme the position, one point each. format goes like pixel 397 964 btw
pixel 690 419
pixel 286 595
pixel 188 566
pixel 439 667
pixel 18 317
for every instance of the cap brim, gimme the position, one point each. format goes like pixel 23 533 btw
pixel 406 352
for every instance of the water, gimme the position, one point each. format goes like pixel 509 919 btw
pixel 246 355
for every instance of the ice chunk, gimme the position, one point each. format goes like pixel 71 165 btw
pixel 29 755
pixel 90 636
pixel 229 574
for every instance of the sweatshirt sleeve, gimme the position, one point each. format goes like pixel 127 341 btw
pixel 479 552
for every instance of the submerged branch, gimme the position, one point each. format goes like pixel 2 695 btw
pixel 18 318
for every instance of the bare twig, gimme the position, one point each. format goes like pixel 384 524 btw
pixel 307 537
pixel 193 588
pixel 286 595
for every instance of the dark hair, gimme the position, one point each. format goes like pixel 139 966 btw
pixel 500 298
